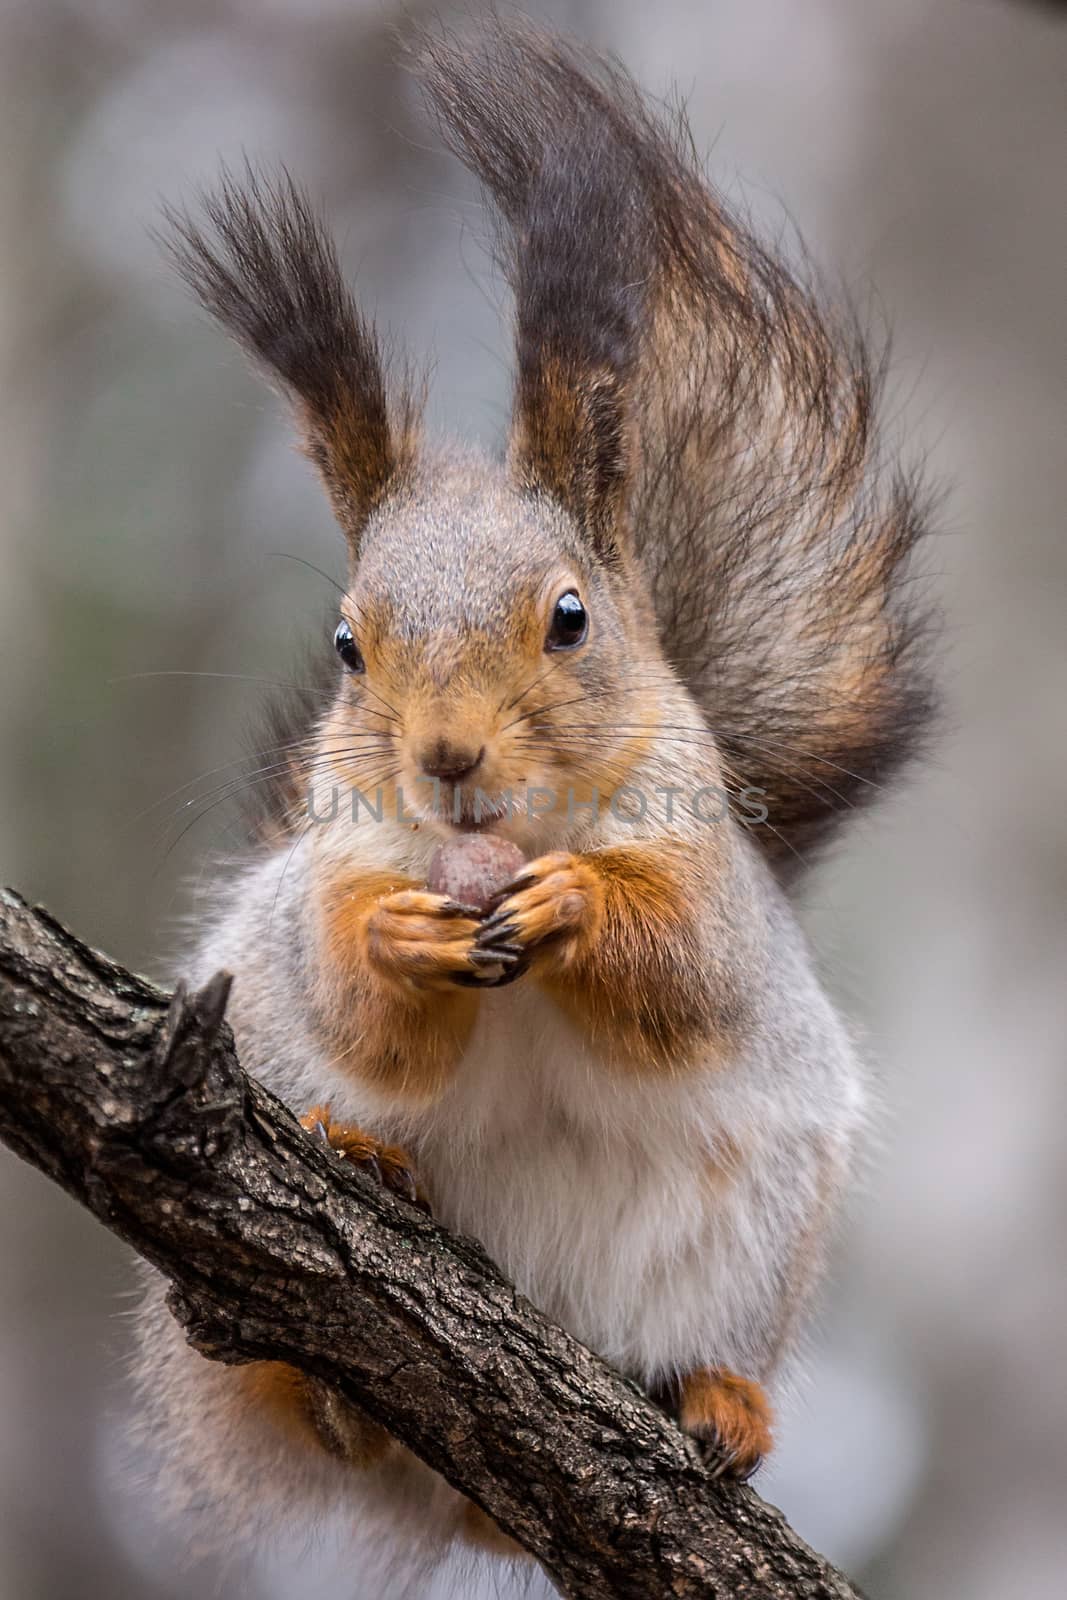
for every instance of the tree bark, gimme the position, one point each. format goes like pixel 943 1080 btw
pixel 134 1101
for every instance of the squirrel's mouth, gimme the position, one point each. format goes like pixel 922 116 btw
pixel 468 808
pixel 475 813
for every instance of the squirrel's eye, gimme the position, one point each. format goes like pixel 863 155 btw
pixel 570 623
pixel 344 642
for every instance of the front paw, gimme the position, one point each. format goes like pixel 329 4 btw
pixel 391 1166
pixel 730 1414
pixel 429 941
pixel 550 913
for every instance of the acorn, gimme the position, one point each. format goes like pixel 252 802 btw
pixel 472 868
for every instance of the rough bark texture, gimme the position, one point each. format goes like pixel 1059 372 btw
pixel 135 1103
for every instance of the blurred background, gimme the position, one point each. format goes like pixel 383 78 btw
pixel 150 495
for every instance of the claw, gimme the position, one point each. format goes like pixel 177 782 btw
pixel 724 1464
pixel 485 954
pixel 496 918
pixel 497 928
pixel 401 1182
pixel 457 908
pixel 320 1129
pixel 525 880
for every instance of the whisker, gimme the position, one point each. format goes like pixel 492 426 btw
pixel 210 773
pixel 285 555
pixel 315 759
pixel 552 667
pixel 708 741
pixel 365 688
pixel 721 738
pixel 544 711
pixel 281 877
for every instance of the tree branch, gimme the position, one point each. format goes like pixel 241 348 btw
pixel 136 1104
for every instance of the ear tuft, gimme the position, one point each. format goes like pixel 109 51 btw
pixel 534 123
pixel 267 270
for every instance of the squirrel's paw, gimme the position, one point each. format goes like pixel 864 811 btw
pixel 430 941
pixel 392 1167
pixel 307 1410
pixel 732 1415
pixel 553 906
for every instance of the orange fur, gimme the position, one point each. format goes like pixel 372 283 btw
pixel 276 1390
pixel 731 1413
pixel 473 689
pixel 359 452
pixel 611 936
pixel 388 1162
pixel 571 438
pixel 556 911
pixel 311 1415
pixel 387 995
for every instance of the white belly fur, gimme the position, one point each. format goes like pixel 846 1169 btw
pixel 613 1203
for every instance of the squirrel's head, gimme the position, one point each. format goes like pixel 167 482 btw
pixel 496 634
pixel 490 658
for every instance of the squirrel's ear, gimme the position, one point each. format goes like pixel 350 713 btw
pixel 520 108
pixel 269 272
pixel 579 300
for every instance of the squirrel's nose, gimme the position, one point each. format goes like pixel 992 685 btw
pixel 450 761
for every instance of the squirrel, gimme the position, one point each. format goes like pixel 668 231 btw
pixel 687 574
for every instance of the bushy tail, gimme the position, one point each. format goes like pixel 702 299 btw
pixel 775 537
